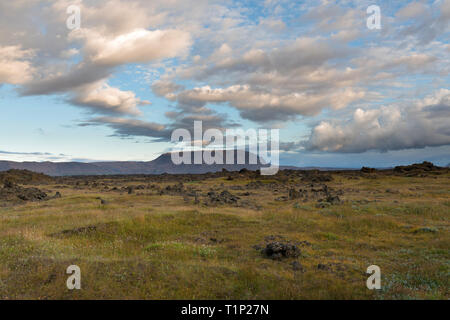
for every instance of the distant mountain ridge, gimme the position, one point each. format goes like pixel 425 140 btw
pixel 162 164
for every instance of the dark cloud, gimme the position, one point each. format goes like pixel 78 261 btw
pixel 131 127
pixel 26 153
pixel 78 76
pixel 128 128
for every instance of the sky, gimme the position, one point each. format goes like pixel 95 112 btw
pixel 342 93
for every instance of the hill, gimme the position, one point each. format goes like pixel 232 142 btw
pixel 23 177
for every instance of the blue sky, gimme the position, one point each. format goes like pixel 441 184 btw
pixel 341 94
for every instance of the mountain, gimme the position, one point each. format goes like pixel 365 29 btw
pixel 162 164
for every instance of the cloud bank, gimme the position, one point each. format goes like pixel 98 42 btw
pixel 313 65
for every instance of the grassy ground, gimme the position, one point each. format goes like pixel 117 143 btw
pixel 151 246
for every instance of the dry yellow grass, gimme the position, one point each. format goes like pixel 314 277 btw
pixel 152 246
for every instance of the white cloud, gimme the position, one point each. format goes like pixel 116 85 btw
pixel 424 124
pixel 112 17
pixel 139 45
pixel 268 106
pixel 66 54
pixel 166 89
pixel 106 99
pixel 274 25
pixel 15 67
pixel 412 10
